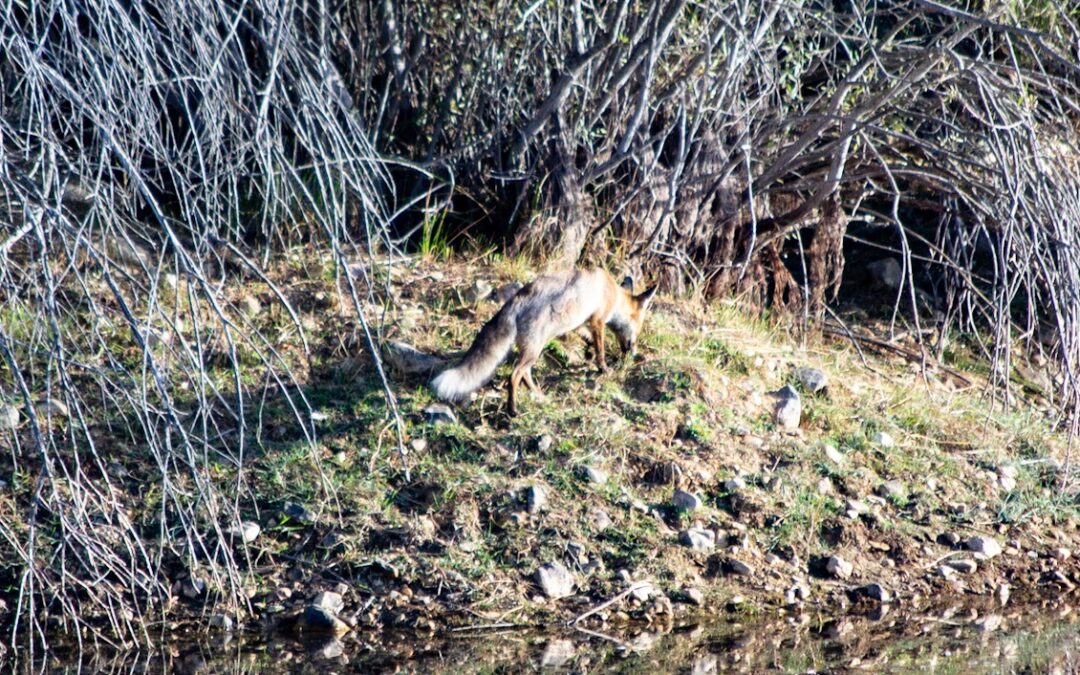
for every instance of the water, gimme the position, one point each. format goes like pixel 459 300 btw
pixel 949 640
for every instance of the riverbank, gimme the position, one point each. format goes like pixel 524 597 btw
pixel 664 489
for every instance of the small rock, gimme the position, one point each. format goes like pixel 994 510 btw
pixel 1060 553
pixel 192 588
pixel 988 623
pixel 833 455
pixel 1002 592
pixel 250 306
pixel 555 580
pixel 222 622
pixel 1008 470
pixel 734 484
pixel 839 568
pixel 478 292
pixel 544 443
pixel 893 490
pixel 698 539
pixel 600 519
pixel 535 498
pixel 440 413
pixel 947 573
pixel 855 508
pixel 825 486
pixel 788 412
pixel 643 592
pixel 319 620
pixel 686 502
pixel 245 532
pixel 694 596
pixel 1007 484
pixel 9 418
pixel 876 592
pixel 557 653
pixel 298 512
pixel 963 565
pixel 330 601
pixel 595 475
pixel 950 539
pixel 738 567
pixel 985 546
pixel 812 379
pixel 883 439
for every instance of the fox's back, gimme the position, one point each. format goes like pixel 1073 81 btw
pixel 558 303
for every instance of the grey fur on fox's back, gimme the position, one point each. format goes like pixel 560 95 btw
pixel 548 307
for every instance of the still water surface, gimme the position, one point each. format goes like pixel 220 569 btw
pixel 948 640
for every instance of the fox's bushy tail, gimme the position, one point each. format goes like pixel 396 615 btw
pixel 478 365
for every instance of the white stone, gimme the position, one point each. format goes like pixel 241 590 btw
pixel 698 539
pixel 555 580
pixel 330 601
pixel 985 546
pixel 245 532
pixel 883 439
pixel 535 498
pixel 839 568
pixel 685 501
pixel 833 455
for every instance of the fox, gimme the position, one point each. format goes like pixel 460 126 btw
pixel 548 307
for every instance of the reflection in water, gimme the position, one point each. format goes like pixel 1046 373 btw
pixel 950 640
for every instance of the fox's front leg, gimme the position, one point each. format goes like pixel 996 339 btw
pixel 596 327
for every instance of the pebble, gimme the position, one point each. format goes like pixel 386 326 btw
pixel 855 508
pixel 893 490
pixel 315 619
pixel 440 413
pixel 788 412
pixel 600 519
pixel 1061 553
pixel 555 580
pixel 298 512
pixel 330 601
pixel 734 484
pixel 535 498
pixel 544 443
pixel 963 565
pixel 698 539
pixel 883 439
pixel 740 568
pixel 812 379
pixel 9 418
pixel 877 592
pixel 833 455
pixel 245 532
pixel 694 596
pixel 985 546
pixel 221 622
pixel 595 475
pixel 250 306
pixel 949 539
pixel 839 568
pixel 686 502
pixel 192 587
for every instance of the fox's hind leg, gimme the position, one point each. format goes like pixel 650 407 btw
pixel 522 371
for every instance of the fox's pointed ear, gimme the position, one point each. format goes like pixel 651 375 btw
pixel 628 283
pixel 645 298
